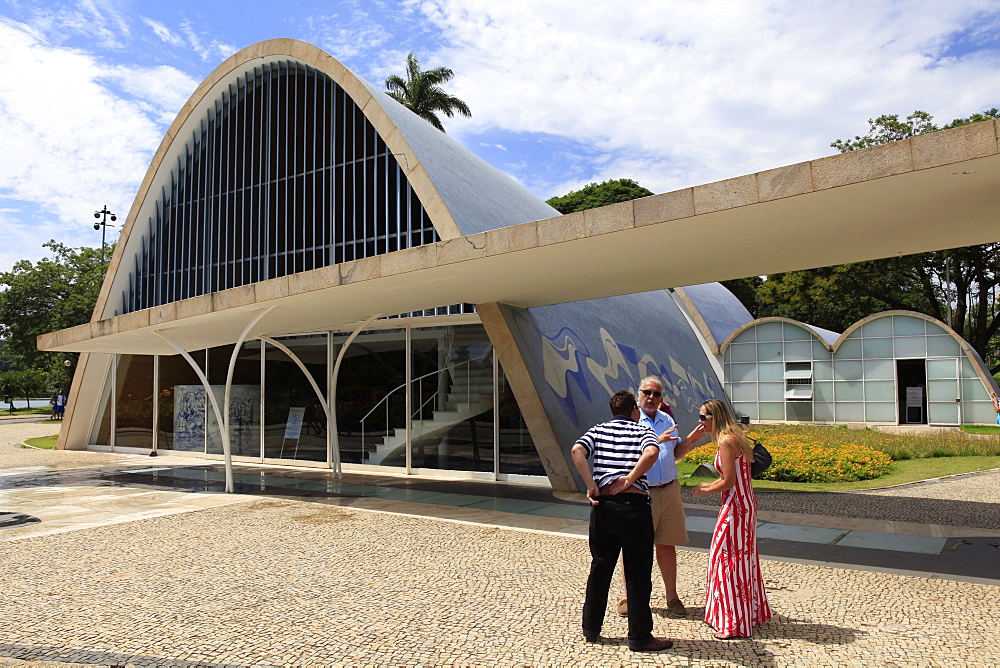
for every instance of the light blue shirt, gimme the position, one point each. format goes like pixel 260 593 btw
pixel 664 469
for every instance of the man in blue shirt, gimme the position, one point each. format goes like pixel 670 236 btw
pixel 665 489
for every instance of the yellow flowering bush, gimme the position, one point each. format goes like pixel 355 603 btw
pixel 800 460
pixel 813 462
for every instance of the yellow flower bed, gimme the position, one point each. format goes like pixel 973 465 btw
pixel 798 460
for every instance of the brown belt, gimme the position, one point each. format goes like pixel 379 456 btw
pixel 666 484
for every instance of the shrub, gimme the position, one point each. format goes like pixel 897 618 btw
pixel 813 462
pixel 796 459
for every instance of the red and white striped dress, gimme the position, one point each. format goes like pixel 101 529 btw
pixel 736 600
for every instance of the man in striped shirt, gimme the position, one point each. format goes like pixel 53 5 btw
pixel 620 519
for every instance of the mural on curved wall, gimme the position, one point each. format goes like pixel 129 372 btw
pixel 579 354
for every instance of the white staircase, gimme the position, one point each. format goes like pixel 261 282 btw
pixel 470 394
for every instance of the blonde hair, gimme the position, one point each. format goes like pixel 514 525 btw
pixel 724 425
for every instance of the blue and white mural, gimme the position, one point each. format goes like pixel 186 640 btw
pixel 193 419
pixel 579 354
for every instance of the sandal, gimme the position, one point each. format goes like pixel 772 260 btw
pixel 723 636
pixel 623 607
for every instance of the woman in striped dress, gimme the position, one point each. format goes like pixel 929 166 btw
pixel 736 600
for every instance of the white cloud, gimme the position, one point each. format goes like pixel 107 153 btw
pixel 211 52
pixel 687 93
pixel 99 21
pixel 163 32
pixel 348 33
pixel 74 137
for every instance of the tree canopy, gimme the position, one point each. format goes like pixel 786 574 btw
pixel 888 128
pixel 598 194
pixel 56 292
pixel 421 92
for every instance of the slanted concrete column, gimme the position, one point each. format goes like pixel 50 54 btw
pixel 557 466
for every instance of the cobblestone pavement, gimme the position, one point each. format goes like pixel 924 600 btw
pixel 278 582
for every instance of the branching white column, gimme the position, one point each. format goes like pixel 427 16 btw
pixel 215 405
pixel 332 415
pixel 221 418
pixel 312 381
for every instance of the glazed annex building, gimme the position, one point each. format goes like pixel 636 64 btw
pixel 312 275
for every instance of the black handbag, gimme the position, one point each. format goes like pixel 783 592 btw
pixel 761 458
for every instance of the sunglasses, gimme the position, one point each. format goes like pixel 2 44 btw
pixel 652 393
pixel 702 417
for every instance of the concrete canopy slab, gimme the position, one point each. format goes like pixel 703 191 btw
pixel 867 215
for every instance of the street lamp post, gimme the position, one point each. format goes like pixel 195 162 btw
pixel 102 225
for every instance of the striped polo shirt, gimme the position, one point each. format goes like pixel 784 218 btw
pixel 615 447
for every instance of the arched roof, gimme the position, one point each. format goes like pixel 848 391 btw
pixel 461 193
pixel 969 351
pixel 824 336
pixel 715 310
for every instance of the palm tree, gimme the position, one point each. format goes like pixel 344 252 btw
pixel 422 94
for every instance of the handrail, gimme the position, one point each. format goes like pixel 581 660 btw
pixel 421 406
pixel 390 392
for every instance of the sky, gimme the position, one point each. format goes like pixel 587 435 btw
pixel 672 94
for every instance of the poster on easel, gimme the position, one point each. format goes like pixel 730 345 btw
pixel 293 429
pixel 293 426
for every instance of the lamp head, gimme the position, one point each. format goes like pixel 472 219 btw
pixel 97 214
pixel 97 226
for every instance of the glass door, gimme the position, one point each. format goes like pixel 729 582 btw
pixel 943 392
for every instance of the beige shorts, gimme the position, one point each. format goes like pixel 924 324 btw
pixel 668 515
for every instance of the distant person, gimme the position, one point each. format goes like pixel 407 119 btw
pixel 996 405
pixel 620 519
pixel 52 402
pixel 60 405
pixel 735 600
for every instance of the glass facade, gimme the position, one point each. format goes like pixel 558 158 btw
pixel 893 369
pixel 134 401
pixel 294 422
pixel 416 399
pixel 284 175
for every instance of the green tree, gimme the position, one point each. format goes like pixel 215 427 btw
pixel 26 383
pixel 598 194
pixel 888 128
pixel 958 286
pixel 421 92
pixel 56 292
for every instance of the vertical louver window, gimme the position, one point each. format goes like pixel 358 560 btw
pixel 284 175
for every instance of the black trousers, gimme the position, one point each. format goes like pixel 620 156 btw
pixel 621 523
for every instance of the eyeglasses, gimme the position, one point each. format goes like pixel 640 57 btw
pixel 652 393
pixel 702 417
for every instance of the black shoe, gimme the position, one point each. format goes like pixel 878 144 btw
pixel 592 638
pixel 654 645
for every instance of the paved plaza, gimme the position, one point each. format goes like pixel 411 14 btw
pixel 130 575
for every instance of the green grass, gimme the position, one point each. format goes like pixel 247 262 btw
pixel 993 430
pixel 910 470
pixel 44 442
pixel 40 410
